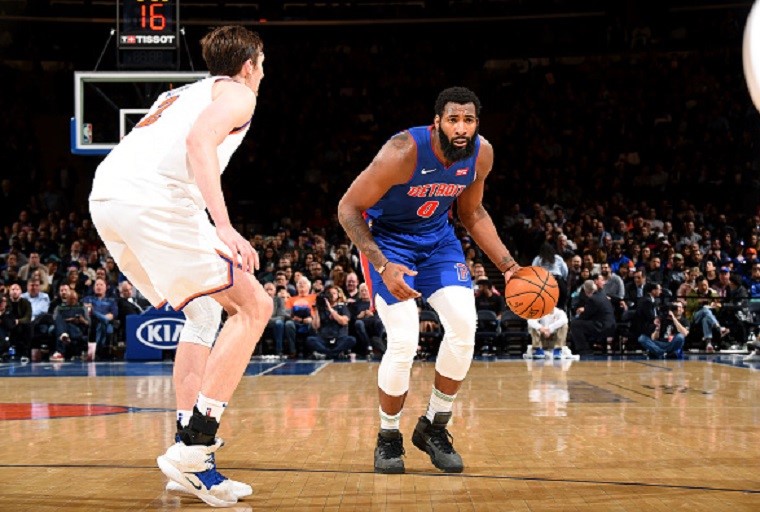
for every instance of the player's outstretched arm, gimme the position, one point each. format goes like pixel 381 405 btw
pixel 393 165
pixel 232 107
pixel 476 219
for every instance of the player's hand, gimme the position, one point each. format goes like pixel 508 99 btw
pixel 240 248
pixel 393 277
pixel 509 273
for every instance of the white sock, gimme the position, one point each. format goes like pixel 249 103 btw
pixel 439 402
pixel 183 417
pixel 389 421
pixel 210 407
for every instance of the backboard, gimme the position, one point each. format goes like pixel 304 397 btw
pixel 107 104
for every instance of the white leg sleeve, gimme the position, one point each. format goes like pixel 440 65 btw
pixel 455 306
pixel 202 318
pixel 402 325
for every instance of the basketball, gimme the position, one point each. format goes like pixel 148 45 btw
pixel 751 55
pixel 532 292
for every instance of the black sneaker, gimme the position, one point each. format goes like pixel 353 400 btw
pixel 388 453
pixel 435 440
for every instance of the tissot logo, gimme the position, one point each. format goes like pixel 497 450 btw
pixel 160 333
pixel 147 39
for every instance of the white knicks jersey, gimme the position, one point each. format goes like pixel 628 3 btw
pixel 149 166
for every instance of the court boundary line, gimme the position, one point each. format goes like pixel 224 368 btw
pixel 273 368
pixel 421 473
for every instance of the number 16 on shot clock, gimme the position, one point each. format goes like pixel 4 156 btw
pixel 147 24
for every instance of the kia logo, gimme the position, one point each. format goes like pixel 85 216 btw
pixel 160 333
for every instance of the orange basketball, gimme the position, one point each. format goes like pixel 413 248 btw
pixel 532 292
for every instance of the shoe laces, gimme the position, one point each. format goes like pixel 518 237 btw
pixel 441 439
pixel 211 477
pixel 390 448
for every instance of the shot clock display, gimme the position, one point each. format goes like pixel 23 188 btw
pixel 147 24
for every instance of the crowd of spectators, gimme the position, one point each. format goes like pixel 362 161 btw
pixel 633 167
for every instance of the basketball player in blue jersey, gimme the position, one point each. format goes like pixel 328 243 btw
pixel 398 212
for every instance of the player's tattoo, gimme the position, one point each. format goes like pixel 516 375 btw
pixel 507 262
pixel 400 140
pixel 358 231
pixel 479 213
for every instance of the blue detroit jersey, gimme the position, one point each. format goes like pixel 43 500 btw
pixel 411 225
pixel 422 204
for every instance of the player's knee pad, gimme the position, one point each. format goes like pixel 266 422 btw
pixel 455 306
pixel 202 318
pixel 402 326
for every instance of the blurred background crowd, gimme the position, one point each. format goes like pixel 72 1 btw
pixel 623 135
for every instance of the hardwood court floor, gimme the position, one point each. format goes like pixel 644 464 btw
pixel 604 435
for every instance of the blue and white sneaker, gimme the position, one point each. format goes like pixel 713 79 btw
pixel 538 353
pixel 193 467
pixel 557 353
pixel 240 489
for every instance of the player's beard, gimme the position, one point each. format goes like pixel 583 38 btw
pixel 453 153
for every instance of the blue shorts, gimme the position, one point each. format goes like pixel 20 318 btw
pixel 437 258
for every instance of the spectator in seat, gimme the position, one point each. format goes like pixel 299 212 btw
pixel 549 329
pixel 103 311
pixel 351 288
pixel 734 309
pixel 302 308
pixel 617 258
pixel 711 273
pixel 573 274
pixel 280 325
pixel 612 284
pixel 486 300
pixel 753 282
pixel 577 297
pixel 10 270
pixel 702 302
pixel 7 323
pixel 655 273
pixel 594 319
pixel 25 272
pixel 369 329
pixel 128 304
pixel 281 279
pixel 71 323
pixel 60 298
pixel 40 301
pixel 554 264
pixel 677 274
pixel 331 323
pixel 21 313
pixel 721 285
pixel 635 291
pixel 42 325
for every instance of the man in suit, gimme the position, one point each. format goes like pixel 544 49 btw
pixel 594 319
pixel 128 304
pixel 635 291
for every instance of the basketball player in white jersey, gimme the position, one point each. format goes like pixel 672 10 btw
pixel 149 202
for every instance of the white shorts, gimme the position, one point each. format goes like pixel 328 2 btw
pixel 169 253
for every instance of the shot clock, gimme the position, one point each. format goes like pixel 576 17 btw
pixel 147 24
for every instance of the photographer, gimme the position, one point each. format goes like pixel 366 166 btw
pixel 655 331
pixel 331 324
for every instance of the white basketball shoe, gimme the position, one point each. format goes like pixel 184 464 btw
pixel 194 468
pixel 567 354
